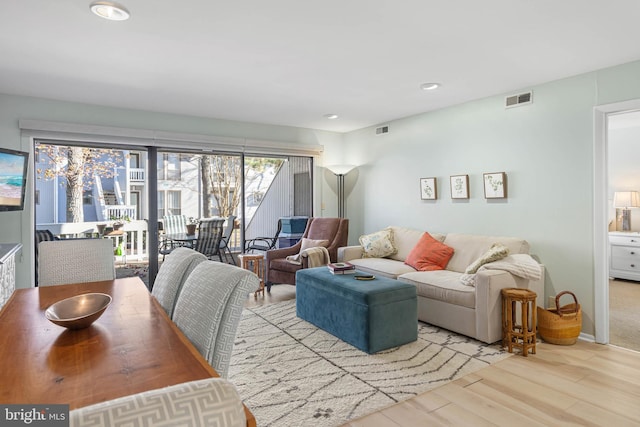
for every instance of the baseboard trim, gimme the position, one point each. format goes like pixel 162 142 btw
pixel 586 337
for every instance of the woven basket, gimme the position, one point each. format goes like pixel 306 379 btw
pixel 562 324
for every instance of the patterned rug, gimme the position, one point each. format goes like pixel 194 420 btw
pixel 290 373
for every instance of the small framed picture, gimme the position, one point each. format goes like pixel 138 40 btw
pixel 428 189
pixel 460 186
pixel 495 185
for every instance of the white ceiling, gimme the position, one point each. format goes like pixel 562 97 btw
pixel 290 62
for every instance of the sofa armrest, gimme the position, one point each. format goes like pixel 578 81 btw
pixel 347 253
pixel 489 284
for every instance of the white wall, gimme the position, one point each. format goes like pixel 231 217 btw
pixel 545 148
pixel 18 226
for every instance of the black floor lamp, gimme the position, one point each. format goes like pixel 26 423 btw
pixel 340 171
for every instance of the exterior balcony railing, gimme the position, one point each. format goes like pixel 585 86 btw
pixel 112 212
pixel 137 175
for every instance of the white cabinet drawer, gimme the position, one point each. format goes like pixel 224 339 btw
pixel 625 252
pixel 624 240
pixel 625 263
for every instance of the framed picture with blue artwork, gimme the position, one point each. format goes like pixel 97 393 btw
pixel 495 185
pixel 428 189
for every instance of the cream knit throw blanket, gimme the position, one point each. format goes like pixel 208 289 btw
pixel 521 265
pixel 317 257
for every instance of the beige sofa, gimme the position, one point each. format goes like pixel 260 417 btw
pixel 443 300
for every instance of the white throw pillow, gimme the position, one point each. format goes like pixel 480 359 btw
pixel 378 244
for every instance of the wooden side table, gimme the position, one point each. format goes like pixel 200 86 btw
pixel 520 335
pixel 254 263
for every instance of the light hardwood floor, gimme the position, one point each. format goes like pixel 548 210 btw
pixel 585 384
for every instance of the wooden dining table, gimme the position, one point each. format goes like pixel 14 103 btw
pixel 133 347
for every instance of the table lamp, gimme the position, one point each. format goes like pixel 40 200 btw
pixel 340 171
pixel 625 200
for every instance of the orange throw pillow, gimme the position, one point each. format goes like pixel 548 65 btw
pixel 429 254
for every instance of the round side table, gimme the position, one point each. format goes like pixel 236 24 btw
pixel 254 263
pixel 520 335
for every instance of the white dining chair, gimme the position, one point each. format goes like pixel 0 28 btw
pixel 173 271
pixel 208 402
pixel 209 307
pixel 63 262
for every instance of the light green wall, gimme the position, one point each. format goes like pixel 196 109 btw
pixel 545 148
pixel 18 226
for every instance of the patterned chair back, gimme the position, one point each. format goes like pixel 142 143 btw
pixel 174 224
pixel 212 401
pixel 171 276
pixel 209 307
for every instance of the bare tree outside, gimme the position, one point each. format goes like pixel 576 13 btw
pixel 78 166
pixel 222 179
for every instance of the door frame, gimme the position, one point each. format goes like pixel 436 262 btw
pixel 600 213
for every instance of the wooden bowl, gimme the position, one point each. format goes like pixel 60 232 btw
pixel 78 312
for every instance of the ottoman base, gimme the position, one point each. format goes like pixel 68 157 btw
pixel 370 315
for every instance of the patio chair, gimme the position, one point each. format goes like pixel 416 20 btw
pixel 63 262
pixel 209 236
pixel 171 225
pixel 209 307
pixel 224 247
pixel 172 274
pixel 279 270
pixel 263 243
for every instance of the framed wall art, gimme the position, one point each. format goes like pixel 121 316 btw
pixel 495 185
pixel 460 186
pixel 428 189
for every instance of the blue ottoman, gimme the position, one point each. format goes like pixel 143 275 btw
pixel 371 315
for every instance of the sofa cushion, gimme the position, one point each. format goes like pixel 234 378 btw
pixel 405 239
pixel 381 266
pixel 496 252
pixel 378 244
pixel 469 247
pixel 441 285
pixel 429 254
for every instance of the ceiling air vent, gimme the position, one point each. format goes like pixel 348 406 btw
pixel 518 100
pixel 382 129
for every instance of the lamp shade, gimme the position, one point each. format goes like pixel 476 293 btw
pixel 341 169
pixel 626 199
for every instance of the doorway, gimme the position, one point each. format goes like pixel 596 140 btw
pixel 623 177
pixel 602 214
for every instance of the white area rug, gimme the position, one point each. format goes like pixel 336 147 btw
pixel 290 373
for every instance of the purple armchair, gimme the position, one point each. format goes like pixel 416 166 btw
pixel 279 270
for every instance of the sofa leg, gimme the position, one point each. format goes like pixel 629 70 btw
pixel 268 284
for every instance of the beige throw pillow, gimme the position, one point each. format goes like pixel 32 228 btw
pixel 378 244
pixel 496 251
pixel 310 243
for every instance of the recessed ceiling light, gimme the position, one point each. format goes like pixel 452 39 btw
pixel 429 86
pixel 109 10
pixel 331 116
